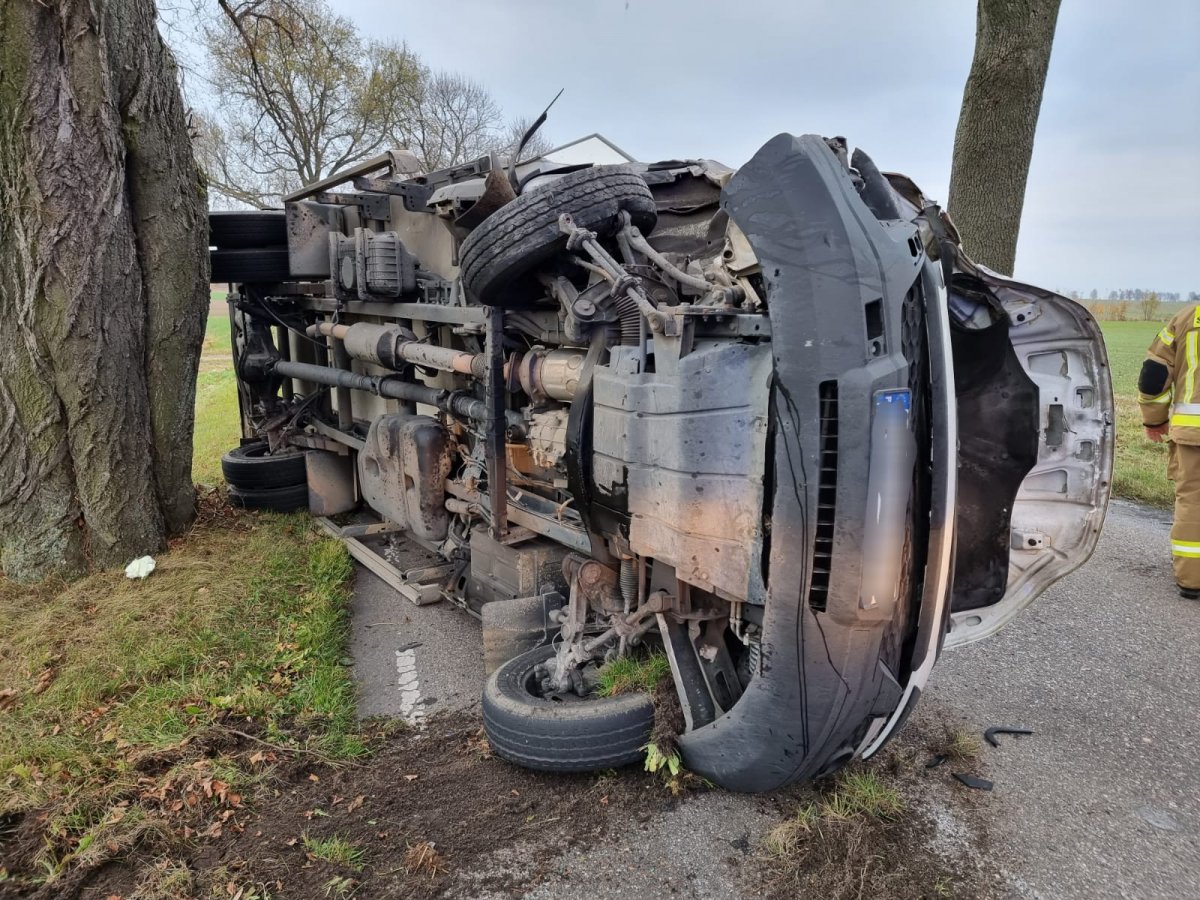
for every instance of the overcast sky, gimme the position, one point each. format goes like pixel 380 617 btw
pixel 1114 190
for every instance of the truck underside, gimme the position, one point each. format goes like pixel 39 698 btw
pixel 621 407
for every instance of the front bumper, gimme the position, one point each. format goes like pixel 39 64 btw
pixel 837 281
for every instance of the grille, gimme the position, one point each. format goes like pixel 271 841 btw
pixel 818 593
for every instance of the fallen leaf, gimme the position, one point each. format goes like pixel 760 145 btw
pixel 356 803
pixel 8 697
pixel 43 681
pixel 410 777
pixel 312 777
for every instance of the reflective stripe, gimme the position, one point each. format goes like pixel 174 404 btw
pixel 1167 337
pixel 1185 548
pixel 1188 409
pixel 1164 397
pixel 1190 381
pixel 1185 421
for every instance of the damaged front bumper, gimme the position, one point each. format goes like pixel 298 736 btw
pixel 861 472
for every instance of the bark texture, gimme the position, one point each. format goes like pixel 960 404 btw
pixel 103 287
pixel 994 142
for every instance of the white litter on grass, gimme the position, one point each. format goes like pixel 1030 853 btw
pixel 140 567
pixel 412 704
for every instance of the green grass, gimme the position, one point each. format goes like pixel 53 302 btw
pixel 864 794
pixel 217 422
pixel 857 797
pixel 628 674
pixel 336 850
pixel 216 338
pixel 237 627
pixel 958 744
pixel 1141 467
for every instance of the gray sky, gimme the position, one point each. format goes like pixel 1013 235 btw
pixel 1114 190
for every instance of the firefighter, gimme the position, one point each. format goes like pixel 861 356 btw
pixel 1169 396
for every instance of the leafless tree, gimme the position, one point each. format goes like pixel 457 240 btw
pixel 301 95
pixel 510 139
pixel 452 119
pixel 1151 307
pixel 994 142
pixel 103 288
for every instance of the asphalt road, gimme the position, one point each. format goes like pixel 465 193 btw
pixel 1103 801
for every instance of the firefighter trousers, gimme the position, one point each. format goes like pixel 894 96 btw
pixel 1183 468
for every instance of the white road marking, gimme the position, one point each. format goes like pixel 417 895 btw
pixel 412 704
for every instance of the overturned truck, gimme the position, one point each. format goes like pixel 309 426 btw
pixel 771 420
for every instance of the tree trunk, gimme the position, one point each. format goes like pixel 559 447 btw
pixel 994 141
pixel 103 287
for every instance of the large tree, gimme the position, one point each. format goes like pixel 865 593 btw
pixel 103 287
pixel 994 142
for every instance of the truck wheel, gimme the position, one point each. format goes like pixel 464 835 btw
pixel 523 234
pixel 282 499
pixel 250 468
pixel 578 735
pixel 249 266
pixel 247 230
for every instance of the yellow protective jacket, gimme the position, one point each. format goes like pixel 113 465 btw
pixel 1167 385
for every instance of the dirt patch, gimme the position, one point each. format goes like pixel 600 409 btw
pixel 430 805
pixel 427 807
pixel 434 814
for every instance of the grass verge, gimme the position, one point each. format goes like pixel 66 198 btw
pixel 217 416
pixel 138 711
pixel 1140 472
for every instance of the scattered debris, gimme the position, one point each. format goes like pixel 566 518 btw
pixel 140 567
pixel 422 858
pixel 936 761
pixel 990 734
pixel 974 781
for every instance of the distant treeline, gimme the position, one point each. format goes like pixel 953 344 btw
pixel 1137 295
pixel 1150 307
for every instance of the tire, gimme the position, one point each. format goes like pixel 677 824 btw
pixel 282 499
pixel 561 736
pixel 249 468
pixel 249 266
pixel 524 234
pixel 247 230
